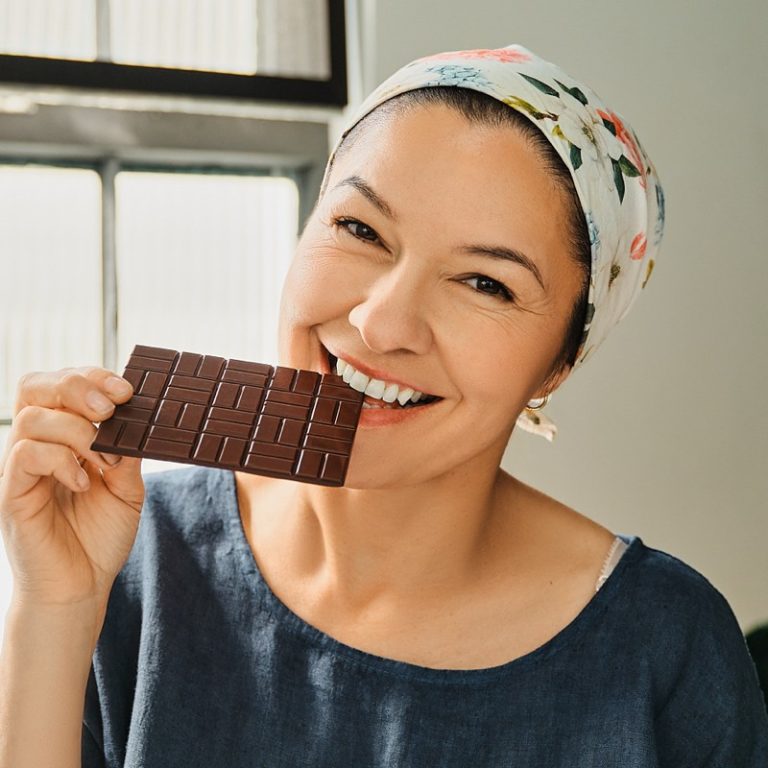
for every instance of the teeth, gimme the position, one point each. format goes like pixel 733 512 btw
pixel 376 388
pixel 359 381
pixel 390 393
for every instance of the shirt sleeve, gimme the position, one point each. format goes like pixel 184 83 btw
pixel 715 715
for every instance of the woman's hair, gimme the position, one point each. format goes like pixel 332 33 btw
pixel 480 108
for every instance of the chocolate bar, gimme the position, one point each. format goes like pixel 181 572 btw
pixel 251 417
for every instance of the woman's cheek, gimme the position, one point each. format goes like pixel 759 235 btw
pixel 318 287
pixel 496 357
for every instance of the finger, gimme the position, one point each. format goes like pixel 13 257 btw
pixel 89 391
pixel 124 481
pixel 50 426
pixel 30 460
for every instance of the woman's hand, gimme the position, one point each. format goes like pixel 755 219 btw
pixel 68 517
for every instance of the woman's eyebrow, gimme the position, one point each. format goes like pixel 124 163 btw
pixel 505 254
pixel 367 191
pixel 492 251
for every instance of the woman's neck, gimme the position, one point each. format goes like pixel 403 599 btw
pixel 363 548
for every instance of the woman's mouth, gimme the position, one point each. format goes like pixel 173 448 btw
pixel 379 395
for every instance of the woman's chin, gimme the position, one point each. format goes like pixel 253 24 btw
pixel 367 469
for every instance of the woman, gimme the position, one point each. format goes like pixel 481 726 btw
pixel 483 223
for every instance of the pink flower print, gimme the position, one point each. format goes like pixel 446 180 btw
pixel 637 249
pixel 499 54
pixel 630 146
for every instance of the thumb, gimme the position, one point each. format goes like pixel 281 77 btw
pixel 125 481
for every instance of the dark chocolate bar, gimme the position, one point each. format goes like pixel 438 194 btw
pixel 251 417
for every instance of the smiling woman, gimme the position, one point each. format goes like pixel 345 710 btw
pixel 467 252
pixel 423 281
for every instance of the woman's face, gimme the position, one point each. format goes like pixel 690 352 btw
pixel 407 269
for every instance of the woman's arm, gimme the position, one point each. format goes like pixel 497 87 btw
pixel 68 517
pixel 44 666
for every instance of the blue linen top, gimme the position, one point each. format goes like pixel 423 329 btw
pixel 200 665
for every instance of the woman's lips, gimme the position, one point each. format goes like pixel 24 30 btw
pixel 384 416
pixel 376 412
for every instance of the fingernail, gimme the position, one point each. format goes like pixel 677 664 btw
pixel 117 386
pixel 111 459
pixel 98 402
pixel 82 480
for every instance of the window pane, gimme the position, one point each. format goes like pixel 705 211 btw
pixel 50 258
pixel 50 286
pixel 294 39
pixel 284 38
pixel 212 35
pixel 64 29
pixel 201 261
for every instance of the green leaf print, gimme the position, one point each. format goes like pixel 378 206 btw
pixel 548 89
pixel 575 92
pixel 575 157
pixel 628 167
pixel 618 179
pixel 609 125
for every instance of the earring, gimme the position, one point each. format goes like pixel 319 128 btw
pixel 540 403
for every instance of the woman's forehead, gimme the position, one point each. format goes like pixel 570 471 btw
pixel 433 160
pixel 417 133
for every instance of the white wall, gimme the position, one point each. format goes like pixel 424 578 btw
pixel 663 432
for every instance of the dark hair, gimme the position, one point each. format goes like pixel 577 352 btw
pixel 481 108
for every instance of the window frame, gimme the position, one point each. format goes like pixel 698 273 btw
pixel 104 75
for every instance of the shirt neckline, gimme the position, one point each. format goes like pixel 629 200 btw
pixel 597 605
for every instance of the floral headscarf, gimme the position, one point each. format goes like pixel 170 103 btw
pixel 616 182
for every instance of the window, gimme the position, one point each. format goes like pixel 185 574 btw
pixel 50 292
pixel 201 261
pixel 282 50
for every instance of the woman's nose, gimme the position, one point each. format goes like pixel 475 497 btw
pixel 393 315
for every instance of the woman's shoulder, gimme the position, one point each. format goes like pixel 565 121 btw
pixel 656 590
pixel 710 690
pixel 661 615
pixel 666 584
pixel 658 607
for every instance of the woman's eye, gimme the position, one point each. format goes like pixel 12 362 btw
pixel 363 231
pixel 492 287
